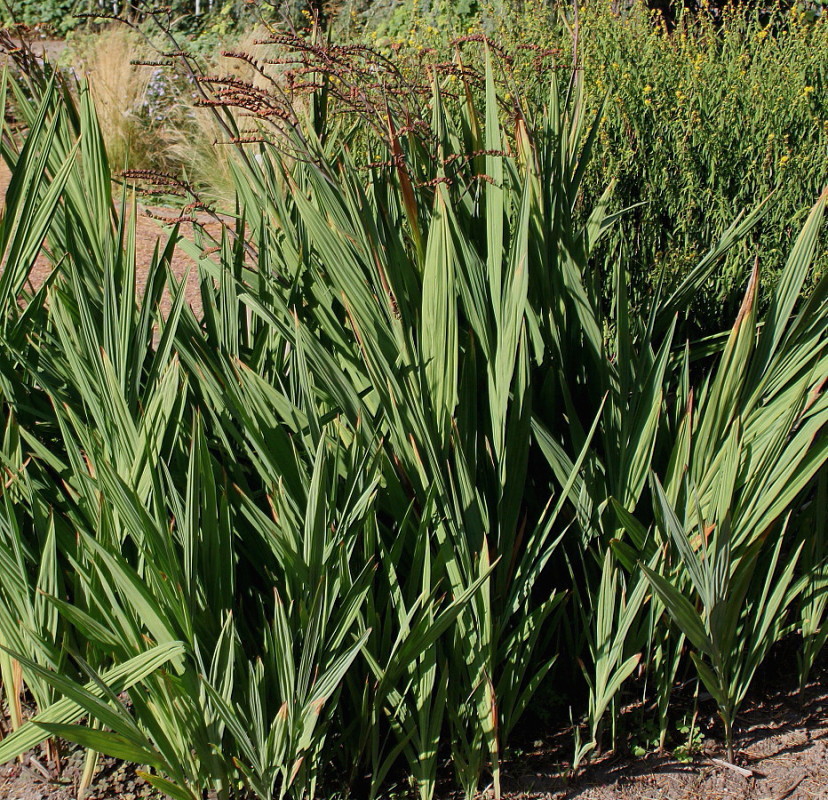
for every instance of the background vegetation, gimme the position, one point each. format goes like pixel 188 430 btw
pixel 698 122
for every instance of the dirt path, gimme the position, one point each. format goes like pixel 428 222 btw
pixel 49 49
pixel 149 232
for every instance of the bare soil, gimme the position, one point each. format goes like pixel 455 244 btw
pixel 782 743
pixel 35 779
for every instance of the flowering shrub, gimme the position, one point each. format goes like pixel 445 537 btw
pixel 704 122
pixel 696 125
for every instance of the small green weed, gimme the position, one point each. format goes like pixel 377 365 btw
pixel 691 738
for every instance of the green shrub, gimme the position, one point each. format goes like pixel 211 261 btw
pixel 61 17
pixel 697 124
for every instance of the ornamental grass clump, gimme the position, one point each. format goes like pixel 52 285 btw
pixel 404 465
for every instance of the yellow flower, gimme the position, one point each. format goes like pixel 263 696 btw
pixel 648 89
pixel 762 35
pixel 647 101
pixel 808 90
pixel 784 160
